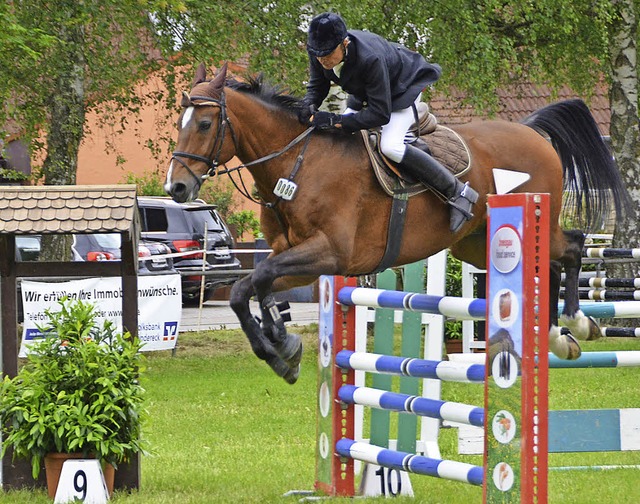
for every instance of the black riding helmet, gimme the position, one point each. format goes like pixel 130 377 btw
pixel 326 32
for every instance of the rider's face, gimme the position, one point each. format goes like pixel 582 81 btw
pixel 334 58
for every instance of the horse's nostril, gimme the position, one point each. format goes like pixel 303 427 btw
pixel 178 192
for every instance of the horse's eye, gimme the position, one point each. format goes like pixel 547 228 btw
pixel 204 125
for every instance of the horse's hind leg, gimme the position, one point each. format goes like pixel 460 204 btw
pixel 561 342
pixel 261 346
pixel 579 326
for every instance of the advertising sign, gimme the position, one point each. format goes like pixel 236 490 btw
pixel 159 306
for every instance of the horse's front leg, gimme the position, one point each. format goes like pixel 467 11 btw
pixel 309 259
pixel 240 295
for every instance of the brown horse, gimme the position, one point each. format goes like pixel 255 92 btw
pixel 336 223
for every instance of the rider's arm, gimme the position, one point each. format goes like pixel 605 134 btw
pixel 378 91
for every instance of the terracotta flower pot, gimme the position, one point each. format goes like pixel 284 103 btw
pixel 53 467
pixel 453 346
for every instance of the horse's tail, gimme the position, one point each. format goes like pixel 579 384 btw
pixel 590 172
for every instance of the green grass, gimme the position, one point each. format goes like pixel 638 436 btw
pixel 225 429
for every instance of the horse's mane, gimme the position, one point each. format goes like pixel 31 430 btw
pixel 267 92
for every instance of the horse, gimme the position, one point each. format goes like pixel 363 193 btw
pixel 330 215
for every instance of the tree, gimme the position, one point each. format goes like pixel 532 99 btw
pixel 105 46
pixel 482 46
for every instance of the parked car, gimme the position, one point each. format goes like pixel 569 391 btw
pixel 181 226
pixel 106 247
pixel 27 247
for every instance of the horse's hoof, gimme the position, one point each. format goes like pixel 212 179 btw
pixel 291 350
pixel 594 330
pixel 292 376
pixel 581 326
pixel 563 345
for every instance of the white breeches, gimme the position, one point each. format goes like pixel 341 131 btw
pixel 393 133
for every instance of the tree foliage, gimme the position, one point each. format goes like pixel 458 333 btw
pixel 89 54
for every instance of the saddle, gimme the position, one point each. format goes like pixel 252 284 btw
pixel 443 144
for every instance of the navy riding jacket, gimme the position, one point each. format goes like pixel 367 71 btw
pixel 385 76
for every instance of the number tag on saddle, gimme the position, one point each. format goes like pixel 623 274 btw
pixel 285 189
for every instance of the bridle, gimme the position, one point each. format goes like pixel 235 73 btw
pixel 212 160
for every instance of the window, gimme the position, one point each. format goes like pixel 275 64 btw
pixel 154 220
pixel 198 218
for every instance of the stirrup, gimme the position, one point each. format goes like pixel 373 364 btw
pixel 461 212
pixel 470 195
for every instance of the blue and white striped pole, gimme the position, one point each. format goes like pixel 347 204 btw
pixel 422 406
pixel 464 308
pixel 418 464
pixel 459 308
pixel 419 368
pixel 629 358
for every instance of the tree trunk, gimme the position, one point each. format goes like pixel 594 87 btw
pixel 67 112
pixel 624 130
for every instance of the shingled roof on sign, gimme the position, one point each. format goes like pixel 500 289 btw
pixel 67 209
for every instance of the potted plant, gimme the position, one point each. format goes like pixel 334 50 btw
pixel 78 393
pixel 453 328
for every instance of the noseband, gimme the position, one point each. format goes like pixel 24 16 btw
pixel 223 122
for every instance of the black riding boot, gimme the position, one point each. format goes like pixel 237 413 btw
pixel 430 172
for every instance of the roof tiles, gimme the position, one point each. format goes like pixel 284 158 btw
pixel 517 102
pixel 67 209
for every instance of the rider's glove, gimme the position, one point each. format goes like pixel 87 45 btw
pixel 305 112
pixel 326 120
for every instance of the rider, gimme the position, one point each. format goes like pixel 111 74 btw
pixel 384 80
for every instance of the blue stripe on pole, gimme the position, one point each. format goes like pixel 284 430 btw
pixel 476 475
pixel 391 458
pixel 390 364
pixel 344 295
pixel 424 465
pixel 422 368
pixel 343 447
pixel 345 393
pixel 476 417
pixel 395 402
pixel 478 308
pixel 426 303
pixel 391 299
pixel 475 373
pixel 342 359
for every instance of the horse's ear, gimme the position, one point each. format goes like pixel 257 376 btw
pixel 201 75
pixel 217 84
pixel 186 100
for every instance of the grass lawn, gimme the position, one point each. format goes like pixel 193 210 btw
pixel 225 429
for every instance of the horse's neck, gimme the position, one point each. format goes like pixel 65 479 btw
pixel 261 131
